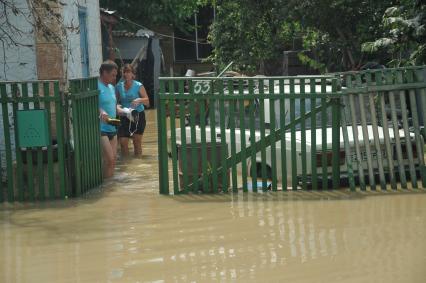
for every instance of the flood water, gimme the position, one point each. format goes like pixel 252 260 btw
pixel 127 232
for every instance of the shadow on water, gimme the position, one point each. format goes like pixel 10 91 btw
pixel 87 199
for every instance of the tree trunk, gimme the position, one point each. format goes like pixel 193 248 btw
pixel 262 67
pixel 347 50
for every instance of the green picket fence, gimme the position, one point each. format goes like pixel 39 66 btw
pixel 50 171
pixel 244 133
pixel 384 108
pixel 280 133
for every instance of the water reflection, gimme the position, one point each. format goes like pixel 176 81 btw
pixel 150 238
pixel 127 233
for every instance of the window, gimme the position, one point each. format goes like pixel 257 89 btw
pixel 195 48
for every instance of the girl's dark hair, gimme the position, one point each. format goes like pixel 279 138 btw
pixel 107 66
pixel 128 68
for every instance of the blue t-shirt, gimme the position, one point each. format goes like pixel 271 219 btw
pixel 126 97
pixel 108 103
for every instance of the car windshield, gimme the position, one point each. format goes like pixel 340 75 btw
pixel 297 114
pixel 254 113
pixel 248 114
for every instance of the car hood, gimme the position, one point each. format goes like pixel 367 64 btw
pixel 360 135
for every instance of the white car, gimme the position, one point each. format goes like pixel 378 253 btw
pixel 343 160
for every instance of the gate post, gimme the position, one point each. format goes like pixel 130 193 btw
pixel 163 177
pixel 59 108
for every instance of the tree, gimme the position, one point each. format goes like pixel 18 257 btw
pixel 22 21
pixel 248 33
pixel 154 12
pixel 255 33
pixel 42 14
pixel 404 36
pixel 336 29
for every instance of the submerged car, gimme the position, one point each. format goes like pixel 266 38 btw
pixel 309 146
pixel 247 137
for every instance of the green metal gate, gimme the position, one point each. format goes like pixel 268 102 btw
pixel 51 168
pixel 228 133
pixel 314 132
pixel 84 118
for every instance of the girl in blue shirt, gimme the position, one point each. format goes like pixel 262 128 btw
pixel 131 94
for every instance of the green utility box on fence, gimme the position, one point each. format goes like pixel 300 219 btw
pixel 33 128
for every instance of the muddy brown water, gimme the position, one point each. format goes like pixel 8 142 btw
pixel 127 232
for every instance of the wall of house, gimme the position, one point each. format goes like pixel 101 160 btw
pixel 73 51
pixel 49 51
pixel 19 62
pixel 43 58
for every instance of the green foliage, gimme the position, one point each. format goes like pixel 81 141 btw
pixel 339 35
pixel 248 32
pixel 154 12
pixel 254 33
pixel 335 29
pixel 404 38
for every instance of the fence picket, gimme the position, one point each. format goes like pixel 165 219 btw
pixel 182 115
pixel 273 138
pixel 314 175
pixel 224 146
pixel 303 134
pixel 40 165
pixel 60 139
pixel 241 108
pixel 172 111
pixel 374 124
pixel 324 146
pixel 262 134
pixel 28 151
pixel 8 145
pixel 293 137
pixel 231 125
pixel 283 115
pixel 19 164
pixel 252 137
pixel 162 144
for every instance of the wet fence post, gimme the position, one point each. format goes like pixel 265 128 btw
pixel 162 141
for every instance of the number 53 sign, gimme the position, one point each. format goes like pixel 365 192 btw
pixel 202 87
